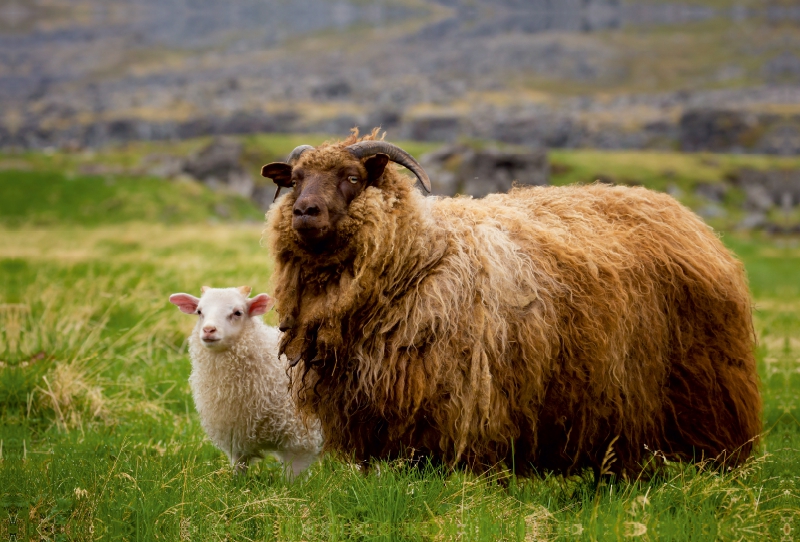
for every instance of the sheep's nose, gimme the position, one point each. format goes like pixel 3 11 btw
pixel 208 330
pixel 306 208
pixel 311 220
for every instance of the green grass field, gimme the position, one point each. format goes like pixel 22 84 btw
pixel 99 438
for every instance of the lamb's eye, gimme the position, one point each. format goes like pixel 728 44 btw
pixel 237 313
pixel 353 179
pixel 199 312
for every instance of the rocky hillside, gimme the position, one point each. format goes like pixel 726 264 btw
pixel 567 73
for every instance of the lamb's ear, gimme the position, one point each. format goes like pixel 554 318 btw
pixel 260 304
pixel 375 165
pixel 244 290
pixel 279 172
pixel 185 302
pixel 204 289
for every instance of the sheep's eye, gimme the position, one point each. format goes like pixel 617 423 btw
pixel 294 183
pixel 353 179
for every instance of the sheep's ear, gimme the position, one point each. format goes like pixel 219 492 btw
pixel 185 302
pixel 245 290
pixel 279 172
pixel 260 304
pixel 204 289
pixel 375 165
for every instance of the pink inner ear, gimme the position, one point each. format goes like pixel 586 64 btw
pixel 185 302
pixel 260 304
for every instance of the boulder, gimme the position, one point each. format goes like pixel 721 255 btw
pixel 219 166
pixel 771 199
pixel 716 130
pixel 713 192
pixel 458 169
pixel 719 130
pixel 765 190
pixel 433 127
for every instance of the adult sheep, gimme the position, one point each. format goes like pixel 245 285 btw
pixel 544 328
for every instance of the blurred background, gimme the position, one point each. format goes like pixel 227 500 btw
pixel 711 75
pixel 492 86
pixel 499 90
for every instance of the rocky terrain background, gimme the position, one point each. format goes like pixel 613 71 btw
pixel 722 76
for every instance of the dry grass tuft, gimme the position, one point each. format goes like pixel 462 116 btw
pixel 73 396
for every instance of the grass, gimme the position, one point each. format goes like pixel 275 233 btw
pixel 673 172
pixel 657 170
pixel 99 438
pixel 48 199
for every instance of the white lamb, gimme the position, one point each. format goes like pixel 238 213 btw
pixel 240 385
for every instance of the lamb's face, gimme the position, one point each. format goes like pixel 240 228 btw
pixel 222 313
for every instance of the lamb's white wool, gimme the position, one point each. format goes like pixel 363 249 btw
pixel 240 385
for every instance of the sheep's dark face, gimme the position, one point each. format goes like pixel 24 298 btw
pixel 328 179
pixel 322 195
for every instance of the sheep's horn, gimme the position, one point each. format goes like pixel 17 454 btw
pixel 295 154
pixel 395 154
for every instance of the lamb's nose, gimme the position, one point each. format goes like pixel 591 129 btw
pixel 208 330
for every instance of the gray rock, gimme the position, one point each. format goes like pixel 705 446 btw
pixel 219 166
pixel 460 169
pixel 712 210
pixel 783 68
pixel 726 130
pixel 753 221
pixel 767 189
pixel 164 166
pixel 674 190
pixel 433 128
pixel 492 171
pixel 715 130
pixel 781 138
pixel 758 198
pixel 714 192
pixel 332 90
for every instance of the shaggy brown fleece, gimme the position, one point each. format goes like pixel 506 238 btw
pixel 530 328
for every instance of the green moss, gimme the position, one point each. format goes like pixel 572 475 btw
pixel 48 199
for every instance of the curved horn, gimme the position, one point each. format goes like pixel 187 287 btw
pixel 295 154
pixel 395 154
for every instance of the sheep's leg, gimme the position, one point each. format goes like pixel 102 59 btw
pixel 240 464
pixel 598 477
pixel 298 461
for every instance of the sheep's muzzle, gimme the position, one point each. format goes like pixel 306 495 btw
pixel 310 218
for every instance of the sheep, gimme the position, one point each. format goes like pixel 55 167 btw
pixel 239 383
pixel 547 329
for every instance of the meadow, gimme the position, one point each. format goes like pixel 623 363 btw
pixel 99 438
